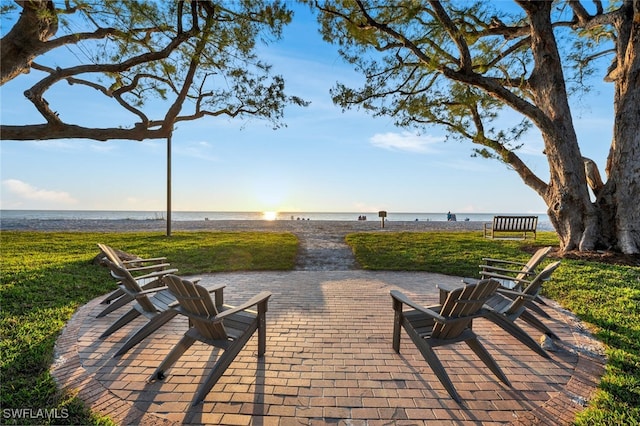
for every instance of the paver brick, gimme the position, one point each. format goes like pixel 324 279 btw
pixel 329 360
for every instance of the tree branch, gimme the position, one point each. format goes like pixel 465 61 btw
pixel 73 80
pixel 67 131
pixel 35 93
pixel 507 156
pixel 455 33
pixel 176 107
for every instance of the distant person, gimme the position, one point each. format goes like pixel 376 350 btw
pixel 448 216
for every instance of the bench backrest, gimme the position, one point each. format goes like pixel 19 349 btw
pixel 515 223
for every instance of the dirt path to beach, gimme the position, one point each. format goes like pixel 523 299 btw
pixel 324 251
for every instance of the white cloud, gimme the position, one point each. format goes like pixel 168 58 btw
pixel 54 145
pixel 29 192
pixel 201 150
pixel 75 146
pixel 365 207
pixel 102 147
pixel 405 141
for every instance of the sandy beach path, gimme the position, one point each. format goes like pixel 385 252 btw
pixel 324 249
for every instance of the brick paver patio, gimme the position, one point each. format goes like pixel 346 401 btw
pixel 329 360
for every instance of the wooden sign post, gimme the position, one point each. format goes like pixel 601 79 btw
pixel 382 215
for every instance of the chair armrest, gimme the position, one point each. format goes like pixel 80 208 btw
pixel 489 268
pixel 508 262
pixel 255 300
pixel 153 274
pixel 517 282
pixel 447 287
pixel 153 259
pixel 148 267
pixel 513 294
pixel 403 299
pixel 506 277
pixel 156 274
pixel 151 290
pixel 217 291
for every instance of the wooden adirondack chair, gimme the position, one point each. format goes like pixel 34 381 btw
pixel 510 277
pixel 506 306
pixel 501 271
pixel 145 271
pixel 451 322
pixel 155 304
pixel 221 326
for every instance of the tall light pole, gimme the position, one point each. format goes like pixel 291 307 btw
pixel 169 184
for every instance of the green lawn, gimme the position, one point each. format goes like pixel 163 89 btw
pixel 45 276
pixel 606 297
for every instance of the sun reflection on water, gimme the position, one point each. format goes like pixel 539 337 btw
pixel 269 215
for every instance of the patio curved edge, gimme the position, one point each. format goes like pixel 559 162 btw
pixel 71 373
pixel 583 383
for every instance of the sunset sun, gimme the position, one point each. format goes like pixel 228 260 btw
pixel 269 215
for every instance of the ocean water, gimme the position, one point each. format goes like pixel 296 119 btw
pixel 543 220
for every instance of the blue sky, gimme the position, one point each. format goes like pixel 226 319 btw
pixel 323 161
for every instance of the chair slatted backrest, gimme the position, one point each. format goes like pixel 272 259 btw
pixel 196 303
pixel 533 263
pixel 533 288
pixel 113 257
pixel 110 253
pixel 461 307
pixel 127 281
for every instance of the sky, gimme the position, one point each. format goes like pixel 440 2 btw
pixel 325 160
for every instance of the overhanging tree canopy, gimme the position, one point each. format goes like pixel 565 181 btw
pixel 457 64
pixel 195 58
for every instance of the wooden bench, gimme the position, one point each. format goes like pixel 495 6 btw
pixel 511 224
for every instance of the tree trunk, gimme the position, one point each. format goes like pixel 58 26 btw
pixel 623 186
pixel 620 201
pixel 567 196
pixel 613 221
pixel 37 23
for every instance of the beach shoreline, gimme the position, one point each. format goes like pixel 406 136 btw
pixel 133 225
